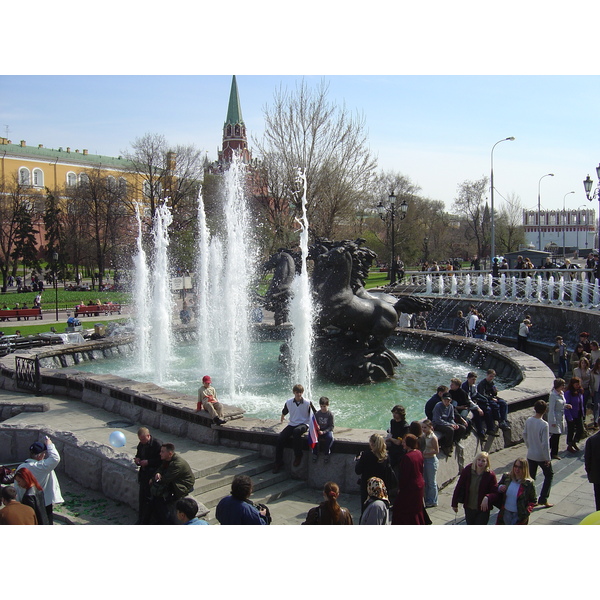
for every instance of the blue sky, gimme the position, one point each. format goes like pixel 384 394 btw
pixel 437 130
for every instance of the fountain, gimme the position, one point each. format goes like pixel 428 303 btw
pixel 551 289
pixel 153 300
pixel 561 290
pixel 467 285
pixel 302 310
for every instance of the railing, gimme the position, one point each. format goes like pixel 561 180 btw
pixel 569 287
pixel 27 371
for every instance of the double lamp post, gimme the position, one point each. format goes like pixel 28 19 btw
pixel 587 185
pixel 389 212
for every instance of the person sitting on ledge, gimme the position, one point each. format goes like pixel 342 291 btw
pixel 299 410
pixel 450 424
pixel 207 400
pixel 498 405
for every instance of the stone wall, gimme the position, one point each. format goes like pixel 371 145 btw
pixel 174 413
pixel 94 466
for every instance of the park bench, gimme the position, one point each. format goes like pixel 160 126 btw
pixel 96 309
pixel 20 313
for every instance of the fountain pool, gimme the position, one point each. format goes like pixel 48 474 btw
pixel 267 385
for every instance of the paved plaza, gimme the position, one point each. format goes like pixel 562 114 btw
pixel 571 493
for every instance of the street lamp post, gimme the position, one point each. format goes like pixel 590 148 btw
pixel 565 224
pixel 588 184
pixel 390 211
pixel 492 225
pixel 540 210
pixel 55 260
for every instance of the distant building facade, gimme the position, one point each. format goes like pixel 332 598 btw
pixel 571 229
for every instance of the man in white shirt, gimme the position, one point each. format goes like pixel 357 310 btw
pixel 299 410
pixel 44 458
pixel 537 439
pixel 472 323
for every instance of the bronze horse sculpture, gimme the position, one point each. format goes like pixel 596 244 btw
pixel 351 324
pixel 280 289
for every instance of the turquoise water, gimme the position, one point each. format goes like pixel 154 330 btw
pixel 267 386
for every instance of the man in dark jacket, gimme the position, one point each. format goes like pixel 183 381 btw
pixel 147 458
pixel 592 464
pixel 173 480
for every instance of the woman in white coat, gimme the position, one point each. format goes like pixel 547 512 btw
pixel 556 416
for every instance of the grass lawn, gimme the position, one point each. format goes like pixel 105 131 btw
pixel 66 299
pixel 376 279
pixel 41 327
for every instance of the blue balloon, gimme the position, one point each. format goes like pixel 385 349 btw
pixel 117 439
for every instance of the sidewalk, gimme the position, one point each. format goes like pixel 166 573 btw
pixel 571 494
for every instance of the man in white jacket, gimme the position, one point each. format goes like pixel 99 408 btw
pixel 537 439
pixel 44 458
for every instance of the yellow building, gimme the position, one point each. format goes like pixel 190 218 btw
pixel 39 167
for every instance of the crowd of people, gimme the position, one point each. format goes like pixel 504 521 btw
pixel 397 472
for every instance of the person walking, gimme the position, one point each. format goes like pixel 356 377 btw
pixel 556 415
pixel 523 335
pixel 476 482
pixel 515 495
pixel 537 440
pixel 574 415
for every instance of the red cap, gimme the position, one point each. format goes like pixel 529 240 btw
pixel 206 379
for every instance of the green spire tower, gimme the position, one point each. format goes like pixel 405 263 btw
pixel 234 129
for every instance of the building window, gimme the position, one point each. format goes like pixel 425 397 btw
pixel 24 178
pixel 123 185
pixel 38 178
pixel 111 183
pixel 84 179
pixel 71 179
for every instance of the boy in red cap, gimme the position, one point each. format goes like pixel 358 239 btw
pixel 207 400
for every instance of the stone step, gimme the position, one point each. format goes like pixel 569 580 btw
pixel 210 463
pixel 223 477
pixel 260 474
pixel 266 495
pixel 266 485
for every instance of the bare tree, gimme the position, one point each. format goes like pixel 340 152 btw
pixel 165 171
pixel 470 205
pixel 100 205
pixel 510 233
pixel 303 130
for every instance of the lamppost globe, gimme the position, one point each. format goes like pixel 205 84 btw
pixel 587 186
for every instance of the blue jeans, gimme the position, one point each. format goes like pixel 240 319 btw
pixel 562 367
pixel 430 467
pixel 596 406
pixel 510 518
pixel 324 444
